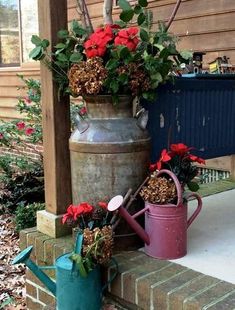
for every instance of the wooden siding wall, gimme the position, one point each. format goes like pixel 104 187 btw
pixel 201 25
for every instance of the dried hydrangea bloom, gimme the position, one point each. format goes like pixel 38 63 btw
pixel 87 77
pixel 159 190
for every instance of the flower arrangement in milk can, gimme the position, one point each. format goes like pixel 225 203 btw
pixel 179 160
pixel 126 57
pixel 93 222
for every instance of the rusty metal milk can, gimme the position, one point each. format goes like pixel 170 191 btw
pixel 112 155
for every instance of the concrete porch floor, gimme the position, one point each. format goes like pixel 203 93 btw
pixel 211 238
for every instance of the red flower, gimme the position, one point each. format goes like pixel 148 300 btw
pixel 86 207
pixel 96 44
pixel 74 212
pixel 1 136
pixel 29 131
pixel 127 37
pixel 83 111
pixel 103 205
pixel 165 157
pixel 180 149
pixel 197 159
pixel 27 100
pixel 94 47
pixel 20 125
pixel 70 215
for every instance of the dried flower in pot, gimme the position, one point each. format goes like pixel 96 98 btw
pixel 93 223
pixel 159 190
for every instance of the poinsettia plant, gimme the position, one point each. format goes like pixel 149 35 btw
pixel 181 162
pixel 85 215
pixel 93 223
pixel 116 58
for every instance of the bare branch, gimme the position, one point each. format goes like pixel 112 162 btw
pixel 107 11
pixel 173 14
pixel 84 14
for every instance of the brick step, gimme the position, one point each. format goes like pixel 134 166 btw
pixel 146 283
pixel 142 283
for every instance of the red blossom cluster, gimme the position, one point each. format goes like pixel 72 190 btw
pixel 28 130
pixel 179 149
pixel 74 212
pixel 96 45
pixel 128 37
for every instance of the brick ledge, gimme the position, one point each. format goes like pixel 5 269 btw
pixel 142 282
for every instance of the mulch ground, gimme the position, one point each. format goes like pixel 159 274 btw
pixel 12 277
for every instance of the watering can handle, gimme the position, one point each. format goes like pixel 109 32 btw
pixel 198 209
pixel 177 184
pixel 113 276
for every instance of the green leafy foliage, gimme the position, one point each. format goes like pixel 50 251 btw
pixel 26 215
pixel 147 58
pixel 64 54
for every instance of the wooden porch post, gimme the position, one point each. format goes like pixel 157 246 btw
pixel 56 128
pixel 233 167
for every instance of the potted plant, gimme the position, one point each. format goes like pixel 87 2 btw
pixel 107 69
pixel 93 223
pixel 166 202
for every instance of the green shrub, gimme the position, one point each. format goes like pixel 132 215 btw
pixel 25 216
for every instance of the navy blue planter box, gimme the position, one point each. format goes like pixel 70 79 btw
pixel 198 111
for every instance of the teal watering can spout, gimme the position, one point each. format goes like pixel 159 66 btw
pixel 23 258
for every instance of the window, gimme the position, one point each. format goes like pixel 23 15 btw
pixel 18 21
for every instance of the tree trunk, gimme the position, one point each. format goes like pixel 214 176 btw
pixel 107 12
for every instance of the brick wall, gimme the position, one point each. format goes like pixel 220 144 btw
pixel 142 282
pixel 30 150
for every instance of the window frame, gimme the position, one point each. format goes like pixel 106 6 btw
pixel 21 65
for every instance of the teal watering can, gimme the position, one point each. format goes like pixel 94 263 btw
pixel 72 291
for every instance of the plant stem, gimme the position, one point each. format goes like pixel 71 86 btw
pixel 173 14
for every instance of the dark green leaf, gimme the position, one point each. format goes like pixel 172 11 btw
pixel 123 78
pixel 36 53
pixel 60 46
pixel 62 57
pixel 114 86
pixel 144 35
pixel 138 9
pixel 124 4
pixel 36 40
pixel 45 43
pixel 193 186
pixel 124 52
pixel 112 64
pixel 76 57
pixel 77 28
pixel 143 3
pixel 141 19
pixel 62 34
pixel 126 16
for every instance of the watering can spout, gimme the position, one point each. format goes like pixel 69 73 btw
pixel 24 258
pixel 116 204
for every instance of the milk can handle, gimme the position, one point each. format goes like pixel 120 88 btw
pixel 198 209
pixel 177 184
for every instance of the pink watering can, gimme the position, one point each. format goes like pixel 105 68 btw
pixel 165 233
